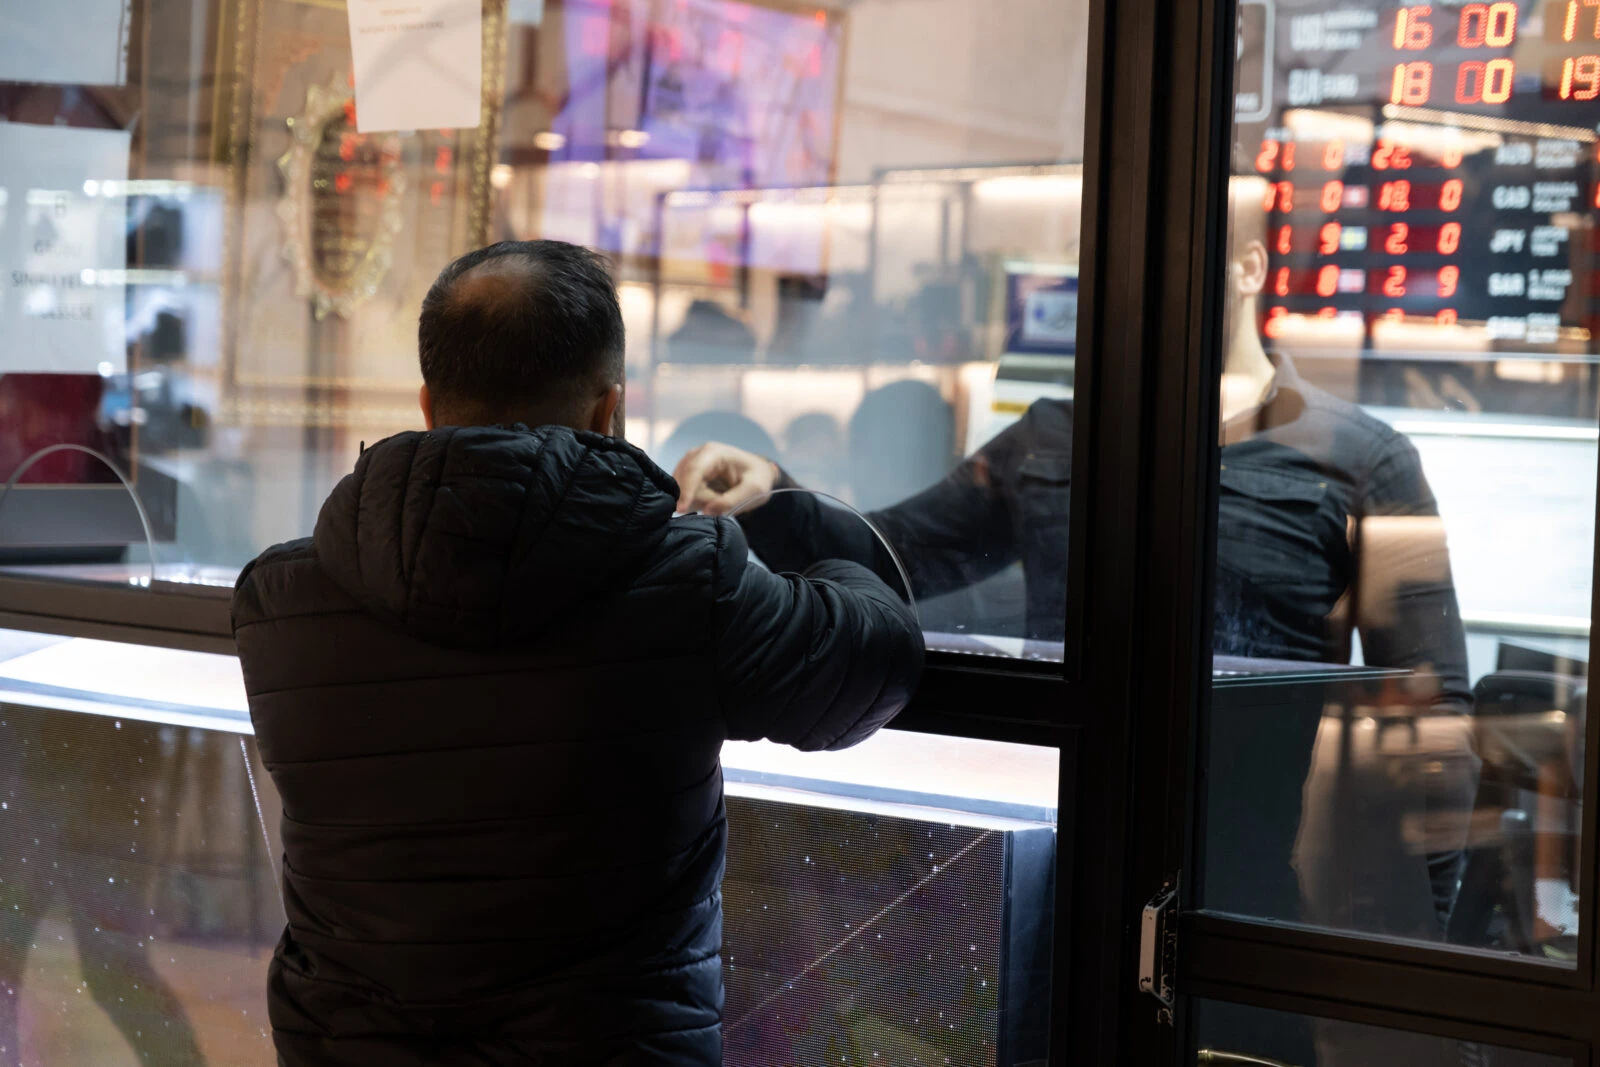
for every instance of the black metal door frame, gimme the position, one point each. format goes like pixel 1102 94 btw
pixel 1168 151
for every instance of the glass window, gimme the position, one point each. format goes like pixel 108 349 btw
pixel 890 903
pixel 845 236
pixel 1239 1035
pixel 1405 530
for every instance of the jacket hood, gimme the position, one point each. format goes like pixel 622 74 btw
pixel 478 536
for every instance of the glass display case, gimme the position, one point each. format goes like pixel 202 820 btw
pixel 894 900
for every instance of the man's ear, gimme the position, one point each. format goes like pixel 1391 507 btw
pixel 603 419
pixel 425 402
pixel 1252 267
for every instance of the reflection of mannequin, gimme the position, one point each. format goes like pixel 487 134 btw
pixel 1327 527
pixel 1302 474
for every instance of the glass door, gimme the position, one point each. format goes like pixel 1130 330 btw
pixel 1386 791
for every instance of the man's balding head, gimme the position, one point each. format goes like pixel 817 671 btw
pixel 521 331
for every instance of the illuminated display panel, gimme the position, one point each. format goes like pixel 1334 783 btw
pixel 1432 167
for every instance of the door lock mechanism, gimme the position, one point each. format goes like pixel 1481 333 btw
pixel 1158 947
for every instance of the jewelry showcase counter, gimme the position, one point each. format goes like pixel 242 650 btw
pixel 893 899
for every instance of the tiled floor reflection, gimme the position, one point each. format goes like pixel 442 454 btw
pixel 220 986
pixel 137 903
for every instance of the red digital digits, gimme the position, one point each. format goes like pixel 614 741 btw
pixel 1449 279
pixel 1395 243
pixel 1394 196
pixel 1412 32
pixel 1390 156
pixel 1580 78
pixel 1412 84
pixel 1574 27
pixel 1494 25
pixel 1273 326
pixel 1485 83
pixel 1482 78
pixel 1329 235
pixel 1328 280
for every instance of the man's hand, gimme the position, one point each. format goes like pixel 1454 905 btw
pixel 716 478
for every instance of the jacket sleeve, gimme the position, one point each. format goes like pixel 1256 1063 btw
pixel 818 660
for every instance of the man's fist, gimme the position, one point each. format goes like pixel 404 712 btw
pixel 716 478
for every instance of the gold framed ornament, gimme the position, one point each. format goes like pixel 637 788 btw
pixel 341 203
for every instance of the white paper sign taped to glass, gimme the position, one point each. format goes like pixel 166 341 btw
pixel 418 64
pixel 65 42
pixel 63 249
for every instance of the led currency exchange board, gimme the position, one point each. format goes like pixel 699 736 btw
pixel 1428 174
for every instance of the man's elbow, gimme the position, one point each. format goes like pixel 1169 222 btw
pixel 901 662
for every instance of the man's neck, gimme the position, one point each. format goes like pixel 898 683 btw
pixel 1247 375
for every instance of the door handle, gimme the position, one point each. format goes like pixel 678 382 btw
pixel 1210 1057
pixel 1158 947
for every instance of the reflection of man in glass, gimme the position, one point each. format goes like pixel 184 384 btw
pixel 1327 530
pixel 1325 517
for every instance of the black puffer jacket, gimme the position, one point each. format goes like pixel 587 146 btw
pixel 492 691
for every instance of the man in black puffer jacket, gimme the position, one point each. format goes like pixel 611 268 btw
pixel 492 689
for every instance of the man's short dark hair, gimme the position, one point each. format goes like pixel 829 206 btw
pixel 519 326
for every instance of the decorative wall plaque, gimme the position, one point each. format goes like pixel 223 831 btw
pixel 341 204
pixel 333 236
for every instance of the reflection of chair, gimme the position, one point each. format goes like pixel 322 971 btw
pixel 902 440
pixel 1529 731
pixel 729 427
